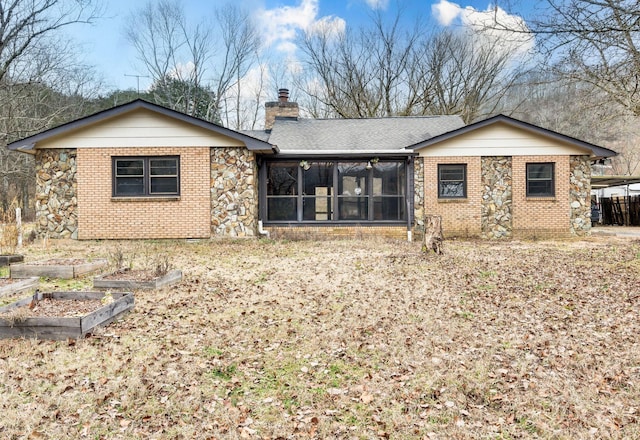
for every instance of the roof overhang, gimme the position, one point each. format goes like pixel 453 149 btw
pixel 596 152
pixel 600 182
pixel 29 144
pixel 288 154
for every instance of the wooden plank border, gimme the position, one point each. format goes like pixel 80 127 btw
pixel 171 277
pixel 63 328
pixel 20 285
pixel 6 260
pixel 27 270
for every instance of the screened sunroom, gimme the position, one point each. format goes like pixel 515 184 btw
pixel 315 191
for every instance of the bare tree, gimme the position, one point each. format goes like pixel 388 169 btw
pixel 40 79
pixel 212 55
pixel 361 73
pixel 27 27
pixel 593 42
pixel 382 71
pixel 174 54
pixel 467 75
pixel 240 42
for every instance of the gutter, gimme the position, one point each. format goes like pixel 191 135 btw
pixel 347 153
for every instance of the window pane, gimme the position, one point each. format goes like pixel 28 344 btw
pixel 282 179
pixel 451 189
pixel 540 171
pixel 127 186
pixel 451 174
pixel 282 208
pixel 163 167
pixel 130 167
pixel 539 187
pixel 452 181
pixel 540 180
pixel 164 185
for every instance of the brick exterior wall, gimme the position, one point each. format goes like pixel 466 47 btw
pixel 460 217
pixel 103 217
pixel 543 217
pixel 529 217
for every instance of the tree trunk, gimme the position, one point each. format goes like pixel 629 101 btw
pixel 432 234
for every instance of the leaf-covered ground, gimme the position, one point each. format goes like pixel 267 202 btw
pixel 345 339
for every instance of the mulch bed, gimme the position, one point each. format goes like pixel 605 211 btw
pixel 52 308
pixel 132 275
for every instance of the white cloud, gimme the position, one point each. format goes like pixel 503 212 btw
pixel 331 26
pixel 378 4
pixel 282 24
pixel 494 25
pixel 445 12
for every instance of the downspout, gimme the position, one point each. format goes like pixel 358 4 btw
pixel 410 193
pixel 262 202
pixel 263 232
pixel 409 233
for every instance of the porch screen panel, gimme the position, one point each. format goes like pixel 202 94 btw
pixel 282 190
pixel 317 191
pixel 389 198
pixel 353 191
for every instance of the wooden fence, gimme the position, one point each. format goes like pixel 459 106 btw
pixel 620 210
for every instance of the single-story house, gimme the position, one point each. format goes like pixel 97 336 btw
pixel 140 170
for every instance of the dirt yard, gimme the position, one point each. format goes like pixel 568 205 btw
pixel 345 339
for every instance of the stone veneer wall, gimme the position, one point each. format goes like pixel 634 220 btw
pixel 234 193
pixel 56 199
pixel 580 194
pixel 496 197
pixel 418 195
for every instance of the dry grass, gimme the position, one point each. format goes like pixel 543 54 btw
pixel 8 231
pixel 347 339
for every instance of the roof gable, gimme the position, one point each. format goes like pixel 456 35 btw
pixel 139 123
pixel 505 136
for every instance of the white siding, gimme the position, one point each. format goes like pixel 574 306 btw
pixel 140 128
pixel 501 140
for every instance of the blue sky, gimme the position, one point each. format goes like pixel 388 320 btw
pixel 105 46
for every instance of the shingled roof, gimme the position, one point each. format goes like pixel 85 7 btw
pixel 376 135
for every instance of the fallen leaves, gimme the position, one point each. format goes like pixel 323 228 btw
pixel 349 339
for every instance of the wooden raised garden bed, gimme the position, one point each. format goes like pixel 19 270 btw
pixel 6 260
pixel 136 280
pixel 11 286
pixel 62 315
pixel 56 268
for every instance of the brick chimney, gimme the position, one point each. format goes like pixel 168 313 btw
pixel 280 109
